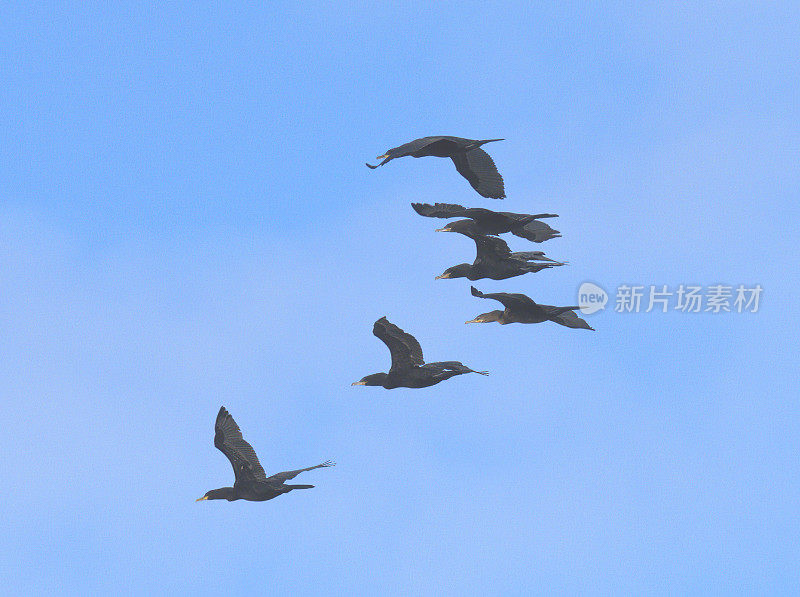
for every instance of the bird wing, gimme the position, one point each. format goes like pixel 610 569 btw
pixel 536 231
pixel 487 215
pixel 478 168
pixel 509 300
pixel 458 366
pixel 489 249
pixel 439 210
pixel 569 319
pixel 228 439
pixel 532 256
pixel 287 475
pixel 404 348
pixel 524 218
pixel 446 366
pixel 451 210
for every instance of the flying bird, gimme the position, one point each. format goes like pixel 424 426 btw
pixel 409 369
pixel 490 222
pixel 471 161
pixel 251 482
pixel 494 260
pixel 522 309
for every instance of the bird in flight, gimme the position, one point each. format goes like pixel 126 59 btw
pixel 522 309
pixel 494 260
pixel 472 162
pixel 490 222
pixel 409 369
pixel 251 481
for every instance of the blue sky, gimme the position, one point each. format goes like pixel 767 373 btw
pixel 187 222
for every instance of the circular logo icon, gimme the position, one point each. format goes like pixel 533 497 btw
pixel 591 298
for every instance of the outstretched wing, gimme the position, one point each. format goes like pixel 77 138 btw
pixel 569 319
pixel 439 210
pixel 510 300
pixel 489 249
pixel 457 366
pixel 478 168
pixel 525 218
pixel 532 256
pixel 285 476
pixel 536 231
pixel 404 348
pixel 228 439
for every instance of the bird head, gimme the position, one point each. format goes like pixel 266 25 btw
pixel 389 153
pixel 376 379
pixel 487 317
pixel 463 226
pixel 457 271
pixel 386 157
pixel 224 493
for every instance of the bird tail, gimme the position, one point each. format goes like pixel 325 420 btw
pixel 290 487
pixel 535 266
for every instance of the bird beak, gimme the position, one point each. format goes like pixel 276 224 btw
pixel 358 383
pixel 380 157
pixel 442 277
pixel 474 321
pixel 205 497
pixel 443 230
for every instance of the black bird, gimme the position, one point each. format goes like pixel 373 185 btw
pixel 251 482
pixel 409 369
pixel 522 309
pixel 471 161
pixel 491 222
pixel 495 260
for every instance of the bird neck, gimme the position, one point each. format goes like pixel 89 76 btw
pixel 223 493
pixel 376 379
pixel 498 316
pixel 462 270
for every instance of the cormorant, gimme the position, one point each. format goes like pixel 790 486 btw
pixel 491 222
pixel 522 309
pixel 409 369
pixel 471 161
pixel 251 482
pixel 494 259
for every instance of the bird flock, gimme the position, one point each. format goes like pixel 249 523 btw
pixel 494 260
